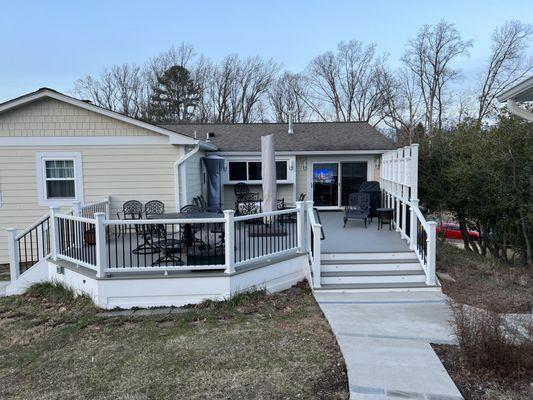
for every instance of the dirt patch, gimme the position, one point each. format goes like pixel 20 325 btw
pixel 259 346
pixel 480 387
pixel 484 282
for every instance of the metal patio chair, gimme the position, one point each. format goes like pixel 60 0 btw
pixel 358 207
pixel 131 209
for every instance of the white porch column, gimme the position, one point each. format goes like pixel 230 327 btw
pixel 14 257
pixel 101 254
pixel 229 242
pixel 76 208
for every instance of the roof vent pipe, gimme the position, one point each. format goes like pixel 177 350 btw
pixel 291 131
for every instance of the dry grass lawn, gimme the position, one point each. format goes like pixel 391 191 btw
pixel 259 346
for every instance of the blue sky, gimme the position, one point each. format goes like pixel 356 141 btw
pixel 52 43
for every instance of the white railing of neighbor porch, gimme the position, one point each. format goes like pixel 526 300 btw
pixel 399 183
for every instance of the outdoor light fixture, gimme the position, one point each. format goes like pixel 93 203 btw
pixel 291 166
pixel 304 165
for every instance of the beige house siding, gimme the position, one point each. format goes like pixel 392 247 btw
pixel 124 172
pixel 301 176
pixel 51 117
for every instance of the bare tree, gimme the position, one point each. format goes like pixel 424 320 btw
pixel 506 65
pixel 286 96
pixel 401 103
pixel 430 56
pixel 347 82
pixel 255 77
pixel 120 88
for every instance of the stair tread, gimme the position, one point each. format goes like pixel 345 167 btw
pixel 384 261
pixel 373 273
pixel 395 285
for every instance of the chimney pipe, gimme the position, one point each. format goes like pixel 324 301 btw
pixel 291 131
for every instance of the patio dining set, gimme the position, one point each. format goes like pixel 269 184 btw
pixel 171 240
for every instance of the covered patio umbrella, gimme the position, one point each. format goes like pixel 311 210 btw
pixel 268 173
pixel 213 167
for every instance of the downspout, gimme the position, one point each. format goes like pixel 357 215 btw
pixel 177 178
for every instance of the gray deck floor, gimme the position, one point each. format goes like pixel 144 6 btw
pixel 355 238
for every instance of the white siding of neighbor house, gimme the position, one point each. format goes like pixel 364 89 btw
pixel 51 117
pixel 142 172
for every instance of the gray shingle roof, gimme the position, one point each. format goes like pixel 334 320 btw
pixel 308 136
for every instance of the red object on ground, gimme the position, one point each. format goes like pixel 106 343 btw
pixel 450 230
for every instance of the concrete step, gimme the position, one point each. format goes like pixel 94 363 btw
pixel 381 287
pixel 371 265
pixel 384 277
pixel 355 256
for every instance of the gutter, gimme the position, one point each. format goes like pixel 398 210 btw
pixel 178 177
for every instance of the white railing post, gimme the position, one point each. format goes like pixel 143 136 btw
pixel 107 200
pixel 431 253
pixel 414 170
pixel 101 254
pixel 76 208
pixel 413 229
pixel 316 255
pixel 308 210
pixel 404 211
pixel 300 221
pixel 229 233
pixel 14 257
pixel 54 232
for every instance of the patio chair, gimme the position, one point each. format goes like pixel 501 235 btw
pixel 240 189
pixel 154 207
pixel 170 249
pixel 150 231
pixel 131 209
pixel 358 207
pixel 194 228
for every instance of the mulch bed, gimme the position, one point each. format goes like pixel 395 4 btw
pixel 475 386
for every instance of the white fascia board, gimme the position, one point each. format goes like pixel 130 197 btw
pixel 174 137
pixel 516 90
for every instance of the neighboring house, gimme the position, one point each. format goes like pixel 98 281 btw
pixel 521 92
pixel 61 151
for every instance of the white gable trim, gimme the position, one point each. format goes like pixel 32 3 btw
pixel 173 137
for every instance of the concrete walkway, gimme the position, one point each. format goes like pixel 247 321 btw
pixel 385 336
pixel 3 287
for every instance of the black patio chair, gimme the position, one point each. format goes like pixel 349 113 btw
pixel 358 207
pixel 131 209
pixel 194 228
pixel 154 207
pixel 240 189
pixel 150 232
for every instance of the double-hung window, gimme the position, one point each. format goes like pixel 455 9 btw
pixel 59 178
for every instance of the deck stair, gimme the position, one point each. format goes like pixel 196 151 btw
pixel 372 271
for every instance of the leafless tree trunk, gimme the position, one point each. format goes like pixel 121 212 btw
pixel 287 96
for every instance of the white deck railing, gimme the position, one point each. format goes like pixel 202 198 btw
pixel 399 184
pixel 87 238
pixel 313 243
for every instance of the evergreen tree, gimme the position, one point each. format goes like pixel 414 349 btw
pixel 174 96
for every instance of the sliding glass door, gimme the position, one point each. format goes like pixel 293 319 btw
pixel 326 184
pixel 353 174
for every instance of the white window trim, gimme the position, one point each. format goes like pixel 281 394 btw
pixel 291 177
pixel 40 159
